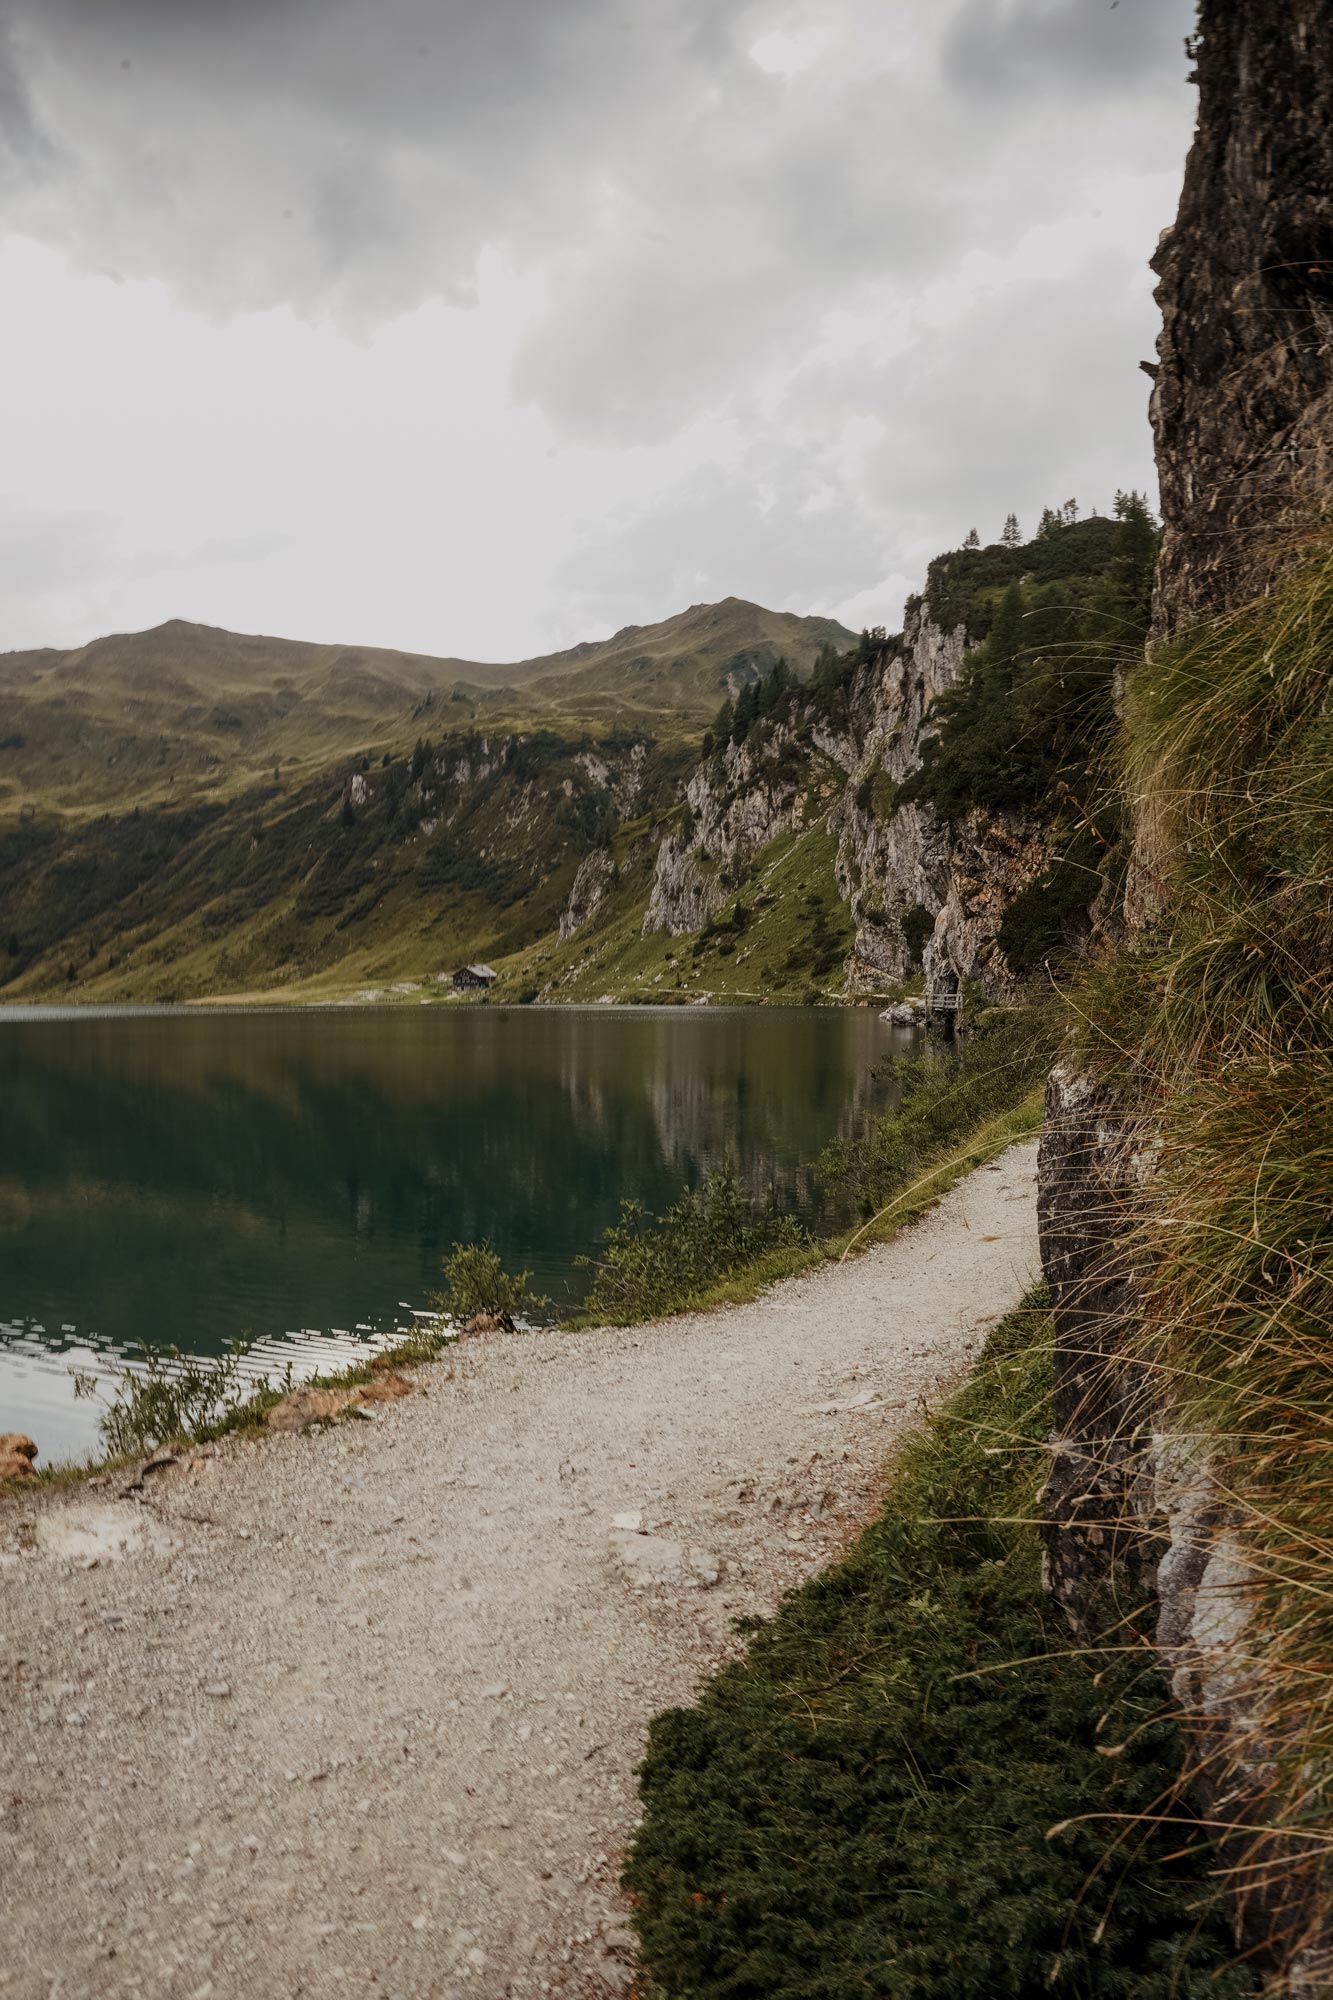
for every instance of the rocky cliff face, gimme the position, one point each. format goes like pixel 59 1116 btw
pixel 1243 402
pixel 736 804
pixel 919 889
pixel 893 861
pixel 923 892
pixel 587 893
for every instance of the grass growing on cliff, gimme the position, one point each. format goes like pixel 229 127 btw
pixel 904 1787
pixel 1218 1030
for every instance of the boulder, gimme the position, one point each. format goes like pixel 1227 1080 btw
pixel 304 1407
pixel 488 1322
pixel 385 1388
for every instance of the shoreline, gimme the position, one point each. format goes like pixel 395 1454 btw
pixel 73 1010
pixel 739 1287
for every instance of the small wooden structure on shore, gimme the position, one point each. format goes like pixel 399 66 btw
pixel 471 978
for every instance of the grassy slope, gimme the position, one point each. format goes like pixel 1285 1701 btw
pixel 170 810
pixel 173 826
pixel 864 1804
pixel 791 898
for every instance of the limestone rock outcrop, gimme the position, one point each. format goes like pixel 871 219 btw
pixel 587 892
pixel 736 804
pixel 920 890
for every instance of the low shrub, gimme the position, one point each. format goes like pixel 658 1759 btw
pixel 168 1396
pixel 476 1281
pixel 653 1264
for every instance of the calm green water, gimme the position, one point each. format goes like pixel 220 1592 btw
pixel 182 1178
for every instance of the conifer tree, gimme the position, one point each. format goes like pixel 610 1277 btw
pixel 1013 534
pixel 972 539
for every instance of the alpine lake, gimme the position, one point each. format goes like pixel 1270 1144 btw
pixel 180 1177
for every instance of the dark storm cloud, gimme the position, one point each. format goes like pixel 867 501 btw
pixel 1004 47
pixel 689 216
pixel 252 153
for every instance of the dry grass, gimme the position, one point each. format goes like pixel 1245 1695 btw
pixel 1218 1030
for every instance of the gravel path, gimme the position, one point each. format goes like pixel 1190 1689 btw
pixel 360 1711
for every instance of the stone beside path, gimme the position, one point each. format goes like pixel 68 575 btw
pixel 359 1711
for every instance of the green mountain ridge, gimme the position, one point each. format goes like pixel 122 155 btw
pixel 189 709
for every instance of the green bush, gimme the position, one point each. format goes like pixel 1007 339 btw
pixel 651 1264
pixel 475 1281
pixel 911 1787
pixel 168 1396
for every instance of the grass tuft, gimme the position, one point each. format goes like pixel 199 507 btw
pixel 1216 1029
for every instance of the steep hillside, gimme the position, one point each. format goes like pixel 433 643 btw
pixel 919 807
pixel 926 809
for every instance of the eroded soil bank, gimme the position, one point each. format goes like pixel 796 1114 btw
pixel 361 1711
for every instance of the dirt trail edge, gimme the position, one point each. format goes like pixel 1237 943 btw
pixel 361 1711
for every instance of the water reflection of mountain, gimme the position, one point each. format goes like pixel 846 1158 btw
pixel 182 1177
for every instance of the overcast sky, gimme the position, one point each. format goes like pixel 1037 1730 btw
pixel 482 326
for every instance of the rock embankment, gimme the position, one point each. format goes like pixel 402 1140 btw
pixel 360 1712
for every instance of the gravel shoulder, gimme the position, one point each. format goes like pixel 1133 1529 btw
pixel 360 1711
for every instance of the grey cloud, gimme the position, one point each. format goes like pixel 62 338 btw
pixel 752 530
pixel 689 221
pixel 25 150
pixel 430 126
pixel 1024 401
pixel 44 554
pixel 693 219
pixel 999 47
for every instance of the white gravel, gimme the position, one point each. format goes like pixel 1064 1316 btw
pixel 360 1712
